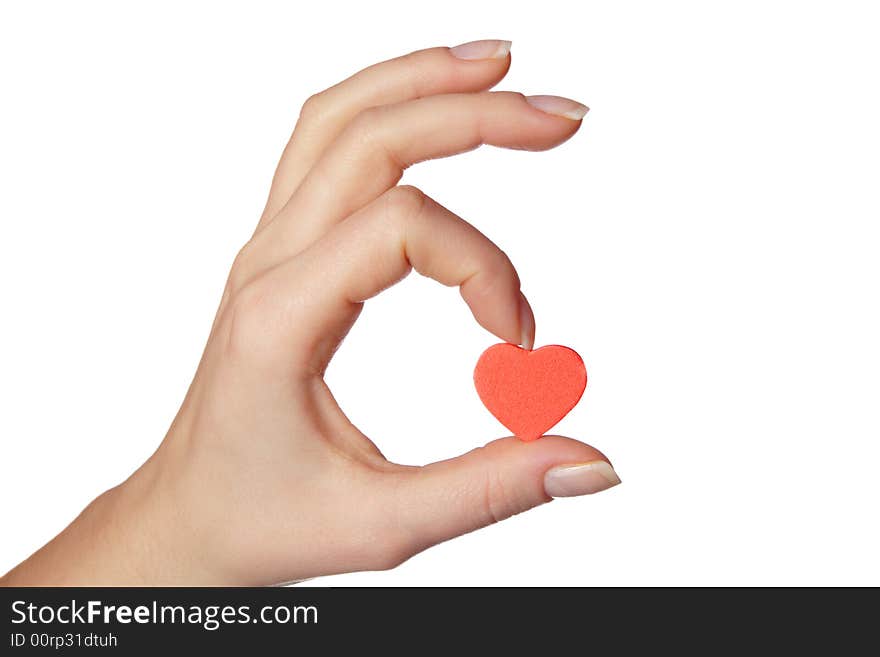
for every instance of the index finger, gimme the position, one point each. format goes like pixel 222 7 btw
pixel 315 296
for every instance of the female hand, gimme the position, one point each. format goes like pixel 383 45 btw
pixel 261 478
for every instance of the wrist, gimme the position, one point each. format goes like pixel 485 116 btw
pixel 130 535
pixel 88 552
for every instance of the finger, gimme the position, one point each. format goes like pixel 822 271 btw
pixel 474 66
pixel 371 154
pixel 323 288
pixel 506 477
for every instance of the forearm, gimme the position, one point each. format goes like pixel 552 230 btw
pixel 124 537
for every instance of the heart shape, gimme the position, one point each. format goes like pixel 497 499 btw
pixel 530 391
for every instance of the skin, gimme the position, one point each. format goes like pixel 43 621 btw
pixel 261 478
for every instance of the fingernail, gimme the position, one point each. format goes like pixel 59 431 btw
pixel 526 323
pixel 580 479
pixel 488 49
pixel 559 106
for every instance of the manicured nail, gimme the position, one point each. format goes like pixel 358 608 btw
pixel 580 479
pixel 488 49
pixel 526 323
pixel 559 106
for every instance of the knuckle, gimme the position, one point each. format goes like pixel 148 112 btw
pixel 503 265
pixel 363 123
pixel 497 503
pixel 420 73
pixel 314 107
pixel 245 320
pixel 405 202
pixel 367 132
pixel 362 127
pixel 239 272
pixel 497 275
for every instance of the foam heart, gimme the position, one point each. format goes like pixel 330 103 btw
pixel 530 391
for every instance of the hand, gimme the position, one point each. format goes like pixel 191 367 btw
pixel 261 478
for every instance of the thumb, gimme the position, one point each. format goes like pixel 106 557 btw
pixel 449 498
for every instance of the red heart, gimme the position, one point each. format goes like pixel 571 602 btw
pixel 530 391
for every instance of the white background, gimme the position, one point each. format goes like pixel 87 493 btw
pixel 708 242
